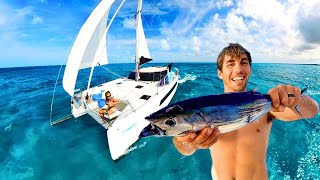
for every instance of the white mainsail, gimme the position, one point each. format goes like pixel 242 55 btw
pixel 141 42
pixel 89 48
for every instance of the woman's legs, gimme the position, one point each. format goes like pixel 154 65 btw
pixel 111 110
pixel 108 111
pixel 102 112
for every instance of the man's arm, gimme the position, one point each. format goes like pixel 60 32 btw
pixel 289 104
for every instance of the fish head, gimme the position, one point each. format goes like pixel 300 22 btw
pixel 169 121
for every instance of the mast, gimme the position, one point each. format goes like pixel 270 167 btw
pixel 138 18
pixel 142 51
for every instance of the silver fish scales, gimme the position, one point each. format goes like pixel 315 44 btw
pixel 228 112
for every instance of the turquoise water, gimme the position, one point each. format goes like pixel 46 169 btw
pixel 77 149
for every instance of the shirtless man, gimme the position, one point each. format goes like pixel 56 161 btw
pixel 241 154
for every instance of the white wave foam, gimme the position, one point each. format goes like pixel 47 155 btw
pixel 188 77
pixel 308 165
pixel 312 92
pixel 8 128
pixel 136 147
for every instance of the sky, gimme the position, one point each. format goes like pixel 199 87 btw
pixel 41 32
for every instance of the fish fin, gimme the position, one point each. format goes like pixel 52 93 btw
pixel 254 89
pixel 297 107
pixel 174 110
pixel 303 90
pixel 298 110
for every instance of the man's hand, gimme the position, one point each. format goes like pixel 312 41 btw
pixel 192 141
pixel 284 96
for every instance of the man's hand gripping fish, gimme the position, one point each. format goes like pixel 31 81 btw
pixel 228 112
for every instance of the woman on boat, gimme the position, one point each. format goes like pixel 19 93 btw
pixel 109 108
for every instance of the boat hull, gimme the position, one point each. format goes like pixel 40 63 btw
pixel 141 98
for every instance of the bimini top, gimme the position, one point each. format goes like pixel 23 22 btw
pixel 150 73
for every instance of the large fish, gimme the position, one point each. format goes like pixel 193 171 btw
pixel 228 112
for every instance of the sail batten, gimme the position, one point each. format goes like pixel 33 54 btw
pixel 89 48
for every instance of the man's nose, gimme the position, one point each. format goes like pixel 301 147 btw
pixel 237 68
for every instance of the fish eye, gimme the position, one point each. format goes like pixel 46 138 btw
pixel 170 122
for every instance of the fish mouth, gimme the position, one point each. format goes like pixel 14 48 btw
pixel 150 117
pixel 152 130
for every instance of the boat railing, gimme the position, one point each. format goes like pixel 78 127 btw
pixel 167 79
pixel 177 71
pixel 125 112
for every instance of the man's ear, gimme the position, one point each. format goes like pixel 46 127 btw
pixel 220 74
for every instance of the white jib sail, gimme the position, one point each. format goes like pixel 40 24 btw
pixel 141 43
pixel 89 48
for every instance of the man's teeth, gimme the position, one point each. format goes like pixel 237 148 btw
pixel 237 78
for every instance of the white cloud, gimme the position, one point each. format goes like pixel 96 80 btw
pixel 277 28
pixel 129 23
pixel 269 29
pixel 190 13
pixel 221 3
pixel 22 14
pixel 196 45
pixel 19 29
pixel 36 20
pixel 309 23
pixel 164 44
pixel 273 30
pixel 16 18
pixel 235 23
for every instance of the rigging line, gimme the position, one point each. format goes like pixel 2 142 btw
pixel 105 68
pixel 114 15
pixel 54 91
pixel 55 86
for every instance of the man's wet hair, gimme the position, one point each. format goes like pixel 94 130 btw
pixel 234 50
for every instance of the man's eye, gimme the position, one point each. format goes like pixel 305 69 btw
pixel 230 64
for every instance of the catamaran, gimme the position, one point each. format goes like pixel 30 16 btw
pixel 144 91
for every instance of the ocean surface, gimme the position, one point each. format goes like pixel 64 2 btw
pixel 30 148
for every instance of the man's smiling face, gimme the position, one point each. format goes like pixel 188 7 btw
pixel 235 73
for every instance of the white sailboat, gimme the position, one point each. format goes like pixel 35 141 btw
pixel 145 91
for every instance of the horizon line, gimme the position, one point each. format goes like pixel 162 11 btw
pixel 201 62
